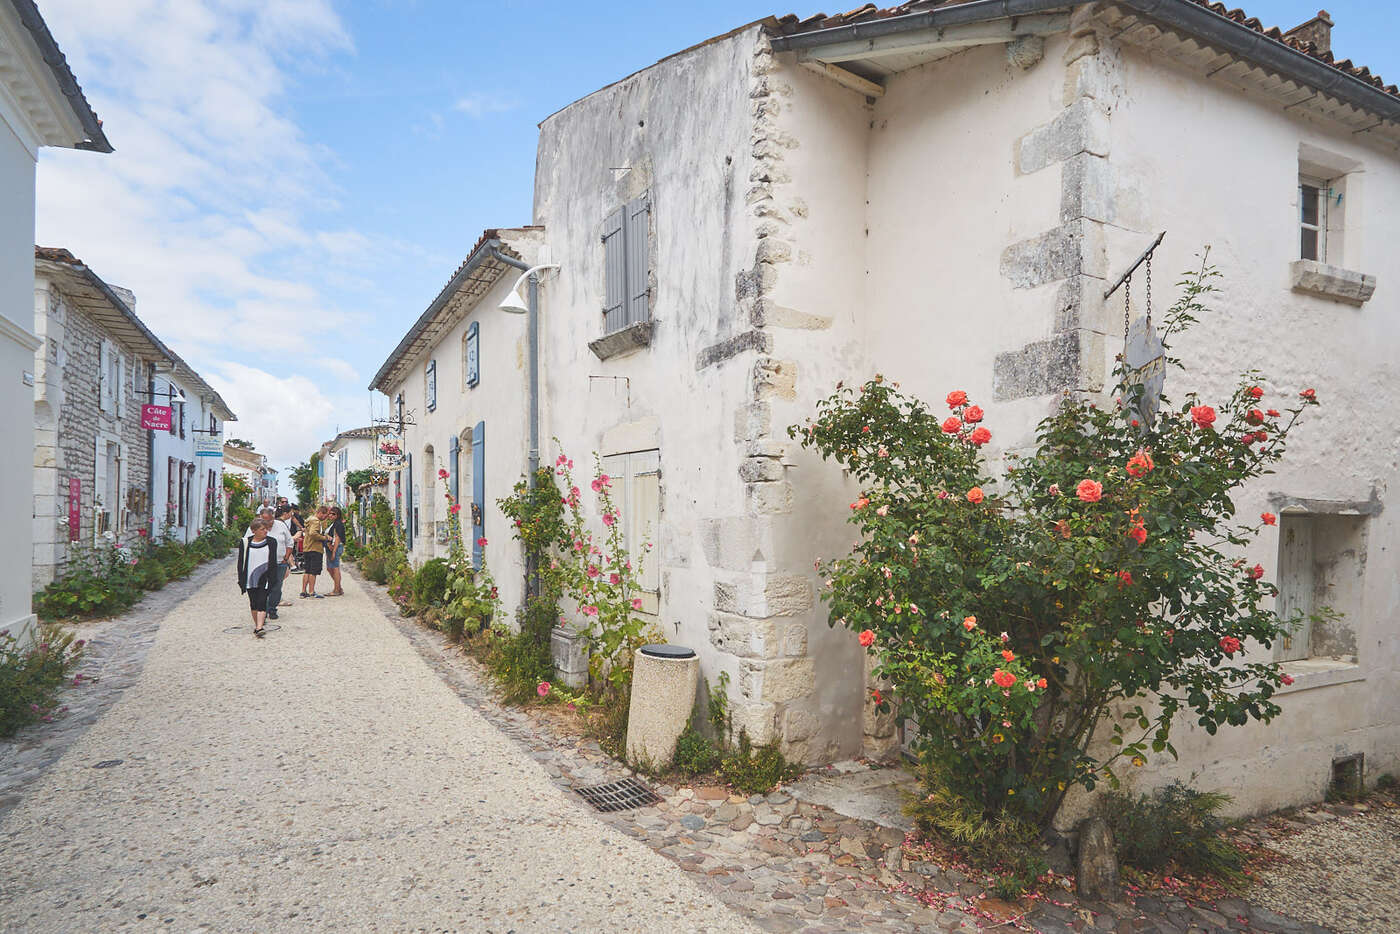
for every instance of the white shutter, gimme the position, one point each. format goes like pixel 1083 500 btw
pixel 1295 583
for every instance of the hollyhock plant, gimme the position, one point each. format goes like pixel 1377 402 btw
pixel 1115 600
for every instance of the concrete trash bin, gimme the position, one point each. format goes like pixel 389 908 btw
pixel 664 680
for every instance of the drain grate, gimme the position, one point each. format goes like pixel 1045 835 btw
pixel 619 796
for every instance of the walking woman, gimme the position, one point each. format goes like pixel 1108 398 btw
pixel 257 563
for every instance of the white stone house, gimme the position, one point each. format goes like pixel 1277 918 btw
pixel 942 193
pixel 252 467
pixel 186 460
pixel 347 452
pixel 92 457
pixel 40 105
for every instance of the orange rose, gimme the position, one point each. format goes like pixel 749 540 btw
pixel 974 495
pixel 1203 416
pixel 973 414
pixel 866 638
pixel 1090 491
pixel 956 398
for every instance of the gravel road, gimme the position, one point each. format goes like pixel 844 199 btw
pixel 321 778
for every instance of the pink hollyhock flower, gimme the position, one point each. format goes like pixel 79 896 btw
pixel 442 474
pixel 1003 679
pixel 543 689
pixel 481 542
pixel 1203 416
pixel 1256 572
pixel 455 508
pixel 866 638
pixel 636 603
pixel 1090 491
pixel 589 610
pixel 1230 644
pixel 609 518
pixel 593 570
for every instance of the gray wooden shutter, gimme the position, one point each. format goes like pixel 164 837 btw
pixel 478 491
pixel 473 354
pixel 1295 583
pixel 408 501
pixel 615 273
pixel 638 240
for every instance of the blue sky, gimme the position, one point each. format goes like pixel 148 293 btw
pixel 295 180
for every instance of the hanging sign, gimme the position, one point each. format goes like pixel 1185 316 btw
pixel 156 417
pixel 75 508
pixel 1146 364
pixel 389 452
pixel 209 447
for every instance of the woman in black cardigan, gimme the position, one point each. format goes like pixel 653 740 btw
pixel 257 562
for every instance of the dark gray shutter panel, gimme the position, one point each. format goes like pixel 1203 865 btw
pixel 638 240
pixel 478 492
pixel 615 273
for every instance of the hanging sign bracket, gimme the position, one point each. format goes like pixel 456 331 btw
pixel 1146 254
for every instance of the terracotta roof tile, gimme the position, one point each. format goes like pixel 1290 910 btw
pixel 791 24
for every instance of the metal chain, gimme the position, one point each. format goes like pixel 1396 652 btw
pixel 1149 291
pixel 1127 304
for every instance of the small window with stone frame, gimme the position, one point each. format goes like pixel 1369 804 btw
pixel 1321 576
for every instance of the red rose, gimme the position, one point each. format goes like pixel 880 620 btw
pixel 1230 644
pixel 1309 394
pixel 1125 579
pixel 875 696
pixel 1138 534
pixel 1272 413
pixel 956 398
pixel 1254 417
pixel 1269 518
pixel 974 495
pixel 951 425
pixel 866 638
pixel 1139 464
pixel 1255 392
pixel 1090 491
pixel 979 436
pixel 1042 684
pixel 1287 680
pixel 973 414
pixel 1004 679
pixel 1008 655
pixel 1256 572
pixel 1203 416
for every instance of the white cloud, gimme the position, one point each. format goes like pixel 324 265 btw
pixel 213 208
pixel 481 103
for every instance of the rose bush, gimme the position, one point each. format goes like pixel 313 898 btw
pixel 1017 622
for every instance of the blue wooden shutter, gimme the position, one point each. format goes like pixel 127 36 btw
pixel 454 449
pixel 615 275
pixel 638 237
pixel 408 501
pixel 478 490
pixel 473 355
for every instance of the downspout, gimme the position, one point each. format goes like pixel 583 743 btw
pixel 532 330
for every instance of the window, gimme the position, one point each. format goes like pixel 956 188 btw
pixel 626 252
pixel 430 385
pixel 182 419
pixel 1321 566
pixel 1314 196
pixel 637 494
pixel 471 355
pixel 109 378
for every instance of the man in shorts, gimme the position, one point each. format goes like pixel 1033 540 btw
pixel 313 542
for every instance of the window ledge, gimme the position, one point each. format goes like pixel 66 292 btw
pixel 1311 673
pixel 633 337
pixel 1316 278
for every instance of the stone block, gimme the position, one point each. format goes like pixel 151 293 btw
pixel 767 313
pixel 569 651
pixel 764 596
pixel 732 347
pixel 1097 876
pixel 772 250
pixel 1025 52
pixel 768 499
pixel 760 470
pixel 788 679
pixel 774 378
pixel 743 637
pixel 1037 369
pixel 1051 256
pixel 758 720
pixel 1088 77
pixel 799 725
pixel 1344 285
pixel 1080 127
pixel 766 447
pixel 794 639
pixel 753 421
pixel 1086 188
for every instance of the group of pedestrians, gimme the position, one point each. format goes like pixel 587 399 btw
pixel 278 543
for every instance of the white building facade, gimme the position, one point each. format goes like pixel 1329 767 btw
pixel 40 105
pixel 942 195
pixel 348 452
pixel 187 458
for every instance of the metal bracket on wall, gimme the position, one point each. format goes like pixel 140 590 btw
pixel 626 380
pixel 1133 268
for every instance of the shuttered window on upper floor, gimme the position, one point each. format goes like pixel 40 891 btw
pixel 626 252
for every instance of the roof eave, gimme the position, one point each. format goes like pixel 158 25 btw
pixel 96 138
pixel 154 344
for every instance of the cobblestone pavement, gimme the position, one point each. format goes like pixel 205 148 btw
pixel 321 778
pixel 795 866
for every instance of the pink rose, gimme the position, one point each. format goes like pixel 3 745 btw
pixel 1090 491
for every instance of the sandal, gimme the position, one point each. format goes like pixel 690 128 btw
pixel 259 632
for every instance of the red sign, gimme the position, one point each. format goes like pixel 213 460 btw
pixel 75 508
pixel 156 417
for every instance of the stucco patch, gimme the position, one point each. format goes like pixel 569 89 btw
pixel 731 544
pixel 784 680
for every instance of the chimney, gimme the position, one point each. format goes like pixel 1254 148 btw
pixel 125 295
pixel 1317 30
